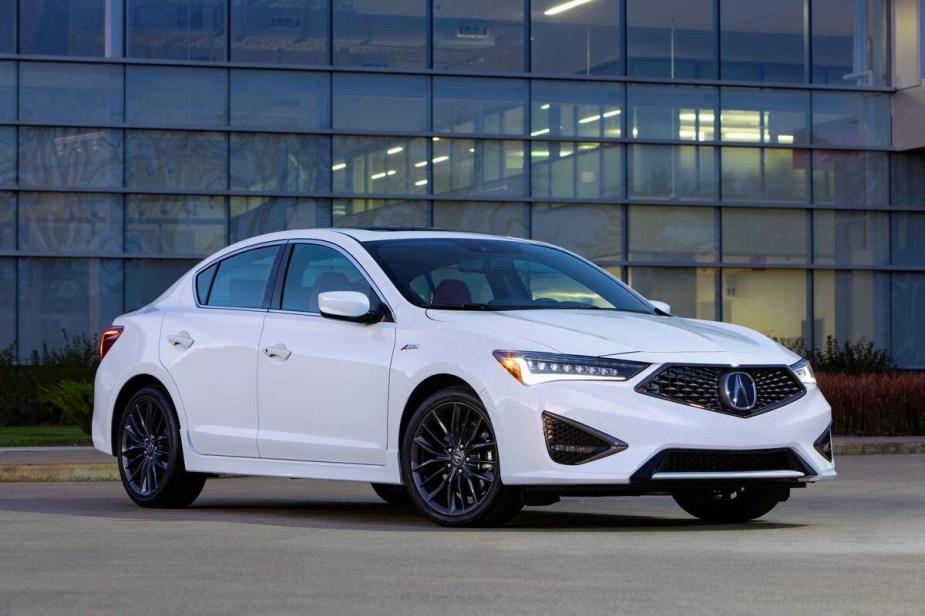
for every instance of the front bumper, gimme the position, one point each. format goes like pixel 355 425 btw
pixel 649 426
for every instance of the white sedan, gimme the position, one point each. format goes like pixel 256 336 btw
pixel 467 374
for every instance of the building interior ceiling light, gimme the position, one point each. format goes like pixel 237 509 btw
pixel 565 6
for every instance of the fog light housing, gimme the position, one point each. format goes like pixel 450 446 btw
pixel 570 442
pixel 823 444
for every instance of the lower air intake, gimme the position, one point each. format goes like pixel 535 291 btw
pixel 696 461
pixel 570 442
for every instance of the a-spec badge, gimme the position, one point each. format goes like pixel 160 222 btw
pixel 739 391
pixel 410 347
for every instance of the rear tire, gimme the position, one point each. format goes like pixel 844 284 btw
pixel 450 463
pixel 732 506
pixel 150 455
pixel 392 494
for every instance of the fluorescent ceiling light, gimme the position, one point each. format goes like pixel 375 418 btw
pixel 611 114
pixel 441 159
pixel 391 172
pixel 540 153
pixel 565 6
pixel 741 136
pixel 395 150
pixel 785 138
pixel 593 118
pixel 423 163
pixel 546 106
pixel 420 183
pixel 339 166
pixel 537 133
pixel 377 176
pixel 435 139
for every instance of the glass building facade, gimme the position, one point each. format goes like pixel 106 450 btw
pixel 731 157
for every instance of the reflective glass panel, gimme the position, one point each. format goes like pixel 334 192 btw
pixel 582 170
pixel 760 236
pixel 7 302
pixel 314 269
pixel 686 113
pixel 574 109
pixel 850 42
pixel 280 163
pixel 851 306
pixel 576 37
pixel 908 294
pixel 177 30
pixel 380 102
pixel 690 292
pixel 382 165
pixel 7 90
pixel 670 39
pixel 178 96
pixel 176 160
pixel 252 216
pixel 847 178
pixel 761 41
pixel 64 27
pixel 57 222
pixel 908 179
pixel 51 92
pixel 758 175
pixel 851 118
pixel 174 225
pixel 909 239
pixel 474 167
pixel 663 233
pixel 851 238
pixel 380 34
pixel 771 301
pixel 77 296
pixel 241 280
pixel 589 229
pixel 7 222
pixel 7 155
pixel 483 106
pixel 7 33
pixel 90 157
pixel 752 115
pixel 293 100
pixel 508 219
pixel 672 172
pixel 146 279
pixel 479 35
pixel 292 32
pixel 380 213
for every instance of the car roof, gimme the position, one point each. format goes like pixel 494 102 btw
pixel 371 234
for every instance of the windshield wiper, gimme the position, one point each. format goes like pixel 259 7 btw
pixel 460 307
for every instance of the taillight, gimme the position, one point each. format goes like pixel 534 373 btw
pixel 108 338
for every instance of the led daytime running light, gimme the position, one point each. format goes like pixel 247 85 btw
pixel 804 371
pixel 533 368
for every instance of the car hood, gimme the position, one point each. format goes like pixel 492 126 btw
pixel 599 333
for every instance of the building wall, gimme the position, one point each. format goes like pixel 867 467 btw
pixel 734 158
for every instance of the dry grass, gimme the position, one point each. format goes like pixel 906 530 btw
pixel 891 404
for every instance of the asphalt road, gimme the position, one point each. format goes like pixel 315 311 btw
pixel 855 545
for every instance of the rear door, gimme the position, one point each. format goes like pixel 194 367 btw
pixel 323 384
pixel 210 349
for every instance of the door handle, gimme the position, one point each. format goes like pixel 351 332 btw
pixel 181 339
pixel 277 350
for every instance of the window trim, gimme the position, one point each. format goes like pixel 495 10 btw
pixel 274 271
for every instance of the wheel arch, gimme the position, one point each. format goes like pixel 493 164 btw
pixel 128 389
pixel 424 390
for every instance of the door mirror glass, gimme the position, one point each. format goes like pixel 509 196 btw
pixel 348 306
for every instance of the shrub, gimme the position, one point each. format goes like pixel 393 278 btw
pixel 71 400
pixel 76 360
pixel 12 385
pixel 845 358
pixel 876 404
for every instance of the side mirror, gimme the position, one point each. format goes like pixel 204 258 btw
pixel 661 306
pixel 347 306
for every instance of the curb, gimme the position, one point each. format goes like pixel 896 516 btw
pixel 59 472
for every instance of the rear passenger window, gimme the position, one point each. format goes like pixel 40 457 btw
pixel 314 269
pixel 240 281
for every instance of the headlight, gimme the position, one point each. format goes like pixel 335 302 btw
pixel 804 371
pixel 532 368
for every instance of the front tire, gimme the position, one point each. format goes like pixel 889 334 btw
pixel 731 506
pixel 450 463
pixel 150 454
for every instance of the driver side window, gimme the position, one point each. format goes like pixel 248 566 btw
pixel 315 269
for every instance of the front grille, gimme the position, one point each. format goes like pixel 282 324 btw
pixel 700 386
pixel 569 442
pixel 702 461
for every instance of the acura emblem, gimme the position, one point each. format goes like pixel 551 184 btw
pixel 739 391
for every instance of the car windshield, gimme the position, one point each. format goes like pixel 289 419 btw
pixel 496 274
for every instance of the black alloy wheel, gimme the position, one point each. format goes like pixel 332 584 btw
pixel 730 506
pixel 450 463
pixel 150 455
